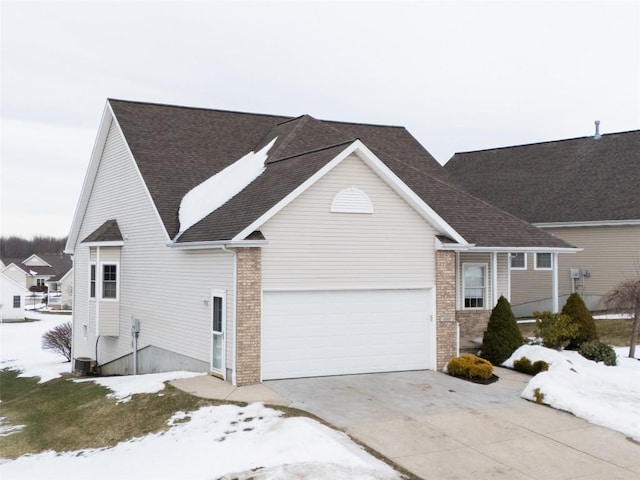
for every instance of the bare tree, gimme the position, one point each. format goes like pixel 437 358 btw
pixel 625 297
pixel 58 340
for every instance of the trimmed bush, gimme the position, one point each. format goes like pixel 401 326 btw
pixel 524 365
pixel 502 336
pixel 582 318
pixel 470 366
pixel 598 352
pixel 556 330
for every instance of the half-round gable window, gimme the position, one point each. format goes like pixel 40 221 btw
pixel 351 200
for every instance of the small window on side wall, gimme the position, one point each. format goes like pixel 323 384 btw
pixel 543 261
pixel 519 261
pixel 109 281
pixel 16 301
pixel 92 281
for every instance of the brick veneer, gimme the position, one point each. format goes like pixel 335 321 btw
pixel 248 315
pixel 473 323
pixel 446 338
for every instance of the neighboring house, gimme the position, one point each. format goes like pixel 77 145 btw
pixel 260 247
pixel 13 268
pixel 584 191
pixel 60 288
pixel 11 299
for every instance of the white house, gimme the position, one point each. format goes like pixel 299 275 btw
pixel 11 299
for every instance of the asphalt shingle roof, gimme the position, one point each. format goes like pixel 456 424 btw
pixel 575 180
pixel 177 148
pixel 107 232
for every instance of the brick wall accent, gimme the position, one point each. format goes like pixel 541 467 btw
pixel 473 323
pixel 446 340
pixel 248 315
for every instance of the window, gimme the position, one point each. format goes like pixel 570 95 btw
pixel 474 285
pixel 543 261
pixel 92 281
pixel 85 331
pixel 109 281
pixel 40 282
pixel 519 261
pixel 16 301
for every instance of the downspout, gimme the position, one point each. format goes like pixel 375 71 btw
pixel 98 296
pixel 494 278
pixel 235 311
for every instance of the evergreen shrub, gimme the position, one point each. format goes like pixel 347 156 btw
pixel 556 330
pixel 524 365
pixel 582 318
pixel 470 366
pixel 598 352
pixel 502 336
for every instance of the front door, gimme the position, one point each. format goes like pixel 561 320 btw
pixel 217 333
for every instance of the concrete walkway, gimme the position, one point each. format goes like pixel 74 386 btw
pixel 439 427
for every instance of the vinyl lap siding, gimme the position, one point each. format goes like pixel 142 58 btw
pixel 611 255
pixel 162 287
pixel 311 247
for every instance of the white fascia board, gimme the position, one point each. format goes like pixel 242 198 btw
pixel 113 243
pixel 527 249
pixel 217 244
pixel 89 178
pixel 24 262
pixel 455 247
pixel 373 162
pixel 596 223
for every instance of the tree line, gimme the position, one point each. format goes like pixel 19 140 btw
pixel 18 247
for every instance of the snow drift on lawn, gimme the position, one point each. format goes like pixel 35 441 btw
pixel 216 441
pixel 214 192
pixel 607 396
pixel 21 347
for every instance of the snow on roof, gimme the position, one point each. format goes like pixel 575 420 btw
pixel 214 192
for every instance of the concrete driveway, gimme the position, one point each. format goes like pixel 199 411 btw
pixel 439 427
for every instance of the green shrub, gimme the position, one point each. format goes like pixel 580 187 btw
pixel 502 336
pixel 524 365
pixel 538 395
pixel 598 352
pixel 582 318
pixel 555 329
pixel 470 366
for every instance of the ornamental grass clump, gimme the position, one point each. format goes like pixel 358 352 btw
pixel 471 367
pixel 502 336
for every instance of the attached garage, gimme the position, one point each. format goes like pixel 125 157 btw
pixel 337 332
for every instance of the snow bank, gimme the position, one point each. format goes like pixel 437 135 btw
pixel 216 441
pixel 219 189
pixel 21 347
pixel 607 396
pixel 123 387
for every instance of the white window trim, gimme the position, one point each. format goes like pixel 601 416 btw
pixel 536 261
pixel 93 264
pixel 485 288
pixel 223 368
pixel 525 261
pixel 85 331
pixel 101 279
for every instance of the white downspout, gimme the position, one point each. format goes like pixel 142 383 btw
pixel 554 283
pixel 98 291
pixel 494 278
pixel 235 312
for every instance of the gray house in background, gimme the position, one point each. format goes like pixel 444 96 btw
pixel 582 190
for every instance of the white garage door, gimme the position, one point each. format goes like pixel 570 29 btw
pixel 308 334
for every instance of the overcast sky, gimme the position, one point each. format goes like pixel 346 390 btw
pixel 459 75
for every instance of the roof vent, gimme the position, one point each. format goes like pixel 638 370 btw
pixel 597 136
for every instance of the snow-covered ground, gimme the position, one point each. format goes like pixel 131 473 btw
pixel 607 396
pixel 209 443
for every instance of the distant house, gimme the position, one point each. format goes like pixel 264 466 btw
pixel 259 247
pixel 12 298
pixel 45 272
pixel 584 191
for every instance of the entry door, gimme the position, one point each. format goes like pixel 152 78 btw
pixel 218 322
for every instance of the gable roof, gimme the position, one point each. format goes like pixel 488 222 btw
pixel 107 232
pixel 575 180
pixel 178 148
pixel 58 264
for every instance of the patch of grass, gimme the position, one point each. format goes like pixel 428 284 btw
pixel 612 332
pixel 63 415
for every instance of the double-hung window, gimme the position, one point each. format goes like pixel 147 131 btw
pixel 109 280
pixel 519 261
pixel 475 285
pixel 92 281
pixel 16 301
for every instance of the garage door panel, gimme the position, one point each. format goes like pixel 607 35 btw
pixel 331 333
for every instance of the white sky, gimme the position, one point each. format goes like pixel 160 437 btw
pixel 459 75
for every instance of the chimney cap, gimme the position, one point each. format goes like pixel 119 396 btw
pixel 597 136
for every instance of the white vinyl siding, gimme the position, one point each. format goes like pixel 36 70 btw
pixel 153 278
pixel 311 247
